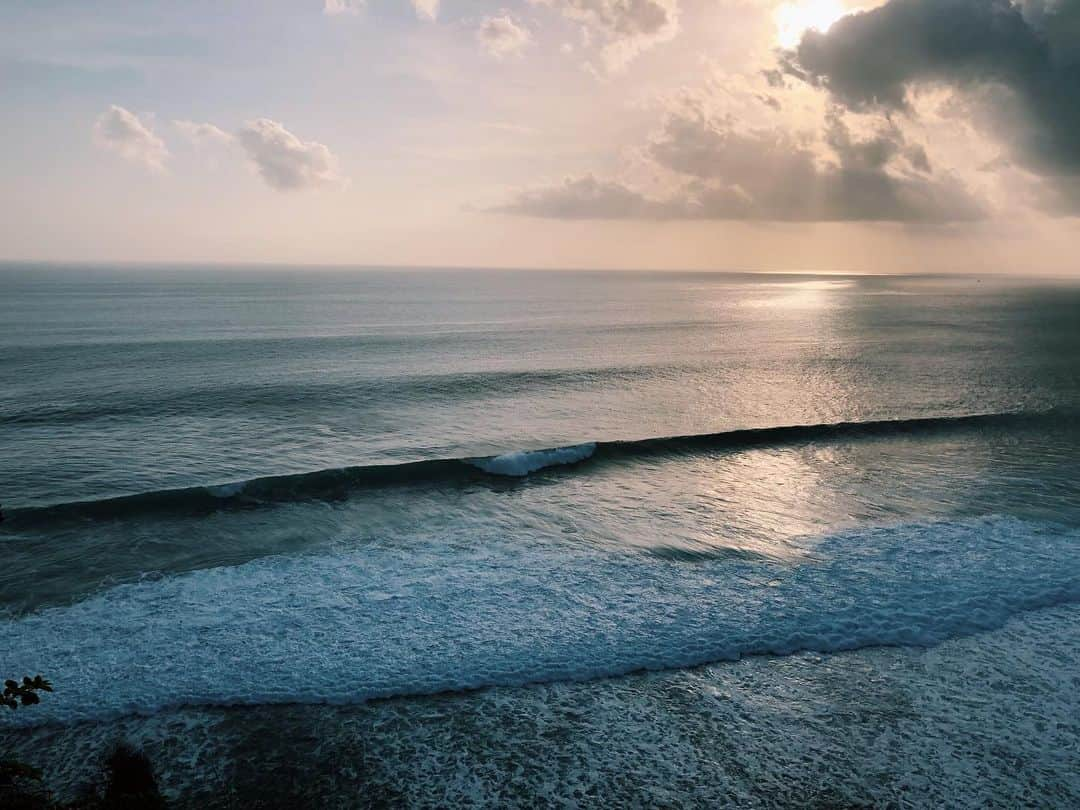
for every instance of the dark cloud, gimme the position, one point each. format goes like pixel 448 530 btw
pixel 1030 48
pixel 588 197
pixel 727 173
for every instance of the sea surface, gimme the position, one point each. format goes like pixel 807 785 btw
pixel 357 537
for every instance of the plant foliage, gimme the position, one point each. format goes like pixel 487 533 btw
pixel 24 694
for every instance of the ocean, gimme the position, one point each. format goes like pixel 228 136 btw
pixel 337 538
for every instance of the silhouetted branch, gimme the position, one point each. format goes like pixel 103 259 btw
pixel 24 694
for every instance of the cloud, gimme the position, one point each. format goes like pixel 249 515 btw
pixel 283 160
pixel 203 134
pixel 723 172
pixel 1019 61
pixel 334 7
pixel 426 9
pixel 501 36
pixel 626 27
pixel 588 197
pixel 121 131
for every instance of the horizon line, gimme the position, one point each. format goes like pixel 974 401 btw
pixel 203 264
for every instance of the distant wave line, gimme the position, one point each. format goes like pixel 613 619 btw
pixel 381 392
pixel 336 483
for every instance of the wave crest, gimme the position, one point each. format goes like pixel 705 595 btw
pixel 523 462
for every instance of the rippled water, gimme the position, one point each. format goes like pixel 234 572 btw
pixel 262 488
pixel 124 382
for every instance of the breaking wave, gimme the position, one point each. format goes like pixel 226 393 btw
pixel 380 621
pixel 336 483
pixel 523 462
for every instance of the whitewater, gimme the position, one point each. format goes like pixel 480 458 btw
pixel 375 623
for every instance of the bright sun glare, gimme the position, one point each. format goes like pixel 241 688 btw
pixel 795 19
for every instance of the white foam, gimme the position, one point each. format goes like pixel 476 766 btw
pixel 417 618
pixel 523 462
pixel 939 728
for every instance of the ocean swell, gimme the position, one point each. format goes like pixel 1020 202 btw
pixel 337 483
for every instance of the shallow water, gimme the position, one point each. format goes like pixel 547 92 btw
pixel 988 720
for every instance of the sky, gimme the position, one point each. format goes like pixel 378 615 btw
pixel 781 135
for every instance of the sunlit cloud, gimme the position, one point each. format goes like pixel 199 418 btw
pixel 794 19
pixel 624 27
pixel 202 134
pixel 334 7
pixel 123 132
pixel 501 36
pixel 426 9
pixel 283 160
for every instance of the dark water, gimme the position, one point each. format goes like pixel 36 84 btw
pixel 263 488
